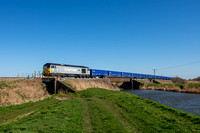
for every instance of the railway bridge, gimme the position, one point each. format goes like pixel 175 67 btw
pixel 54 84
pixel 63 70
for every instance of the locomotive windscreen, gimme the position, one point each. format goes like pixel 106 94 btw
pixel 46 66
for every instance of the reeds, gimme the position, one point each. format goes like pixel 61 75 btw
pixel 82 84
pixel 186 88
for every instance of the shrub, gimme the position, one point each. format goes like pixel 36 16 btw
pixel 178 80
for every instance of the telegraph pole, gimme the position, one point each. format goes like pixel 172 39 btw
pixel 154 72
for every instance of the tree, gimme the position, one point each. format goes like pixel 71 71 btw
pixel 197 79
pixel 178 80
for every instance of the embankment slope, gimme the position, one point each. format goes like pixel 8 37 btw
pixel 21 91
pixel 83 84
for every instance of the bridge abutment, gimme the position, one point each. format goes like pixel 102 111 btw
pixel 54 86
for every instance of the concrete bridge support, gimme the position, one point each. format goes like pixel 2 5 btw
pixel 126 83
pixel 131 83
pixel 54 86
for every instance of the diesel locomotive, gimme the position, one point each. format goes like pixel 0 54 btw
pixel 62 70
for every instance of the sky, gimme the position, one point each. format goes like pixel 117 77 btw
pixel 122 35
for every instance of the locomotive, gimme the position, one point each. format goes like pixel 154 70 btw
pixel 62 70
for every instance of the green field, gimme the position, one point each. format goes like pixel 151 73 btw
pixel 96 110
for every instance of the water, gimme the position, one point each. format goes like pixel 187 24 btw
pixel 183 101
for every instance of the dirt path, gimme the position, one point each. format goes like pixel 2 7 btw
pixel 117 113
pixel 62 98
pixel 86 117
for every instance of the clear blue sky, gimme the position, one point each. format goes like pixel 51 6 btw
pixel 122 35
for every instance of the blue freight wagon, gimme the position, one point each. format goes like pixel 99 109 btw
pixel 115 74
pixel 98 73
pixel 148 76
pixel 126 74
pixel 164 77
pixel 157 77
pixel 169 78
pixel 135 75
pixel 143 76
pixel 152 76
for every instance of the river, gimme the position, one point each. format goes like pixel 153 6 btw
pixel 183 101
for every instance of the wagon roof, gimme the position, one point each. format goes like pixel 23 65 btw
pixel 65 65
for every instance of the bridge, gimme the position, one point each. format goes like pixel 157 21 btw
pixel 54 84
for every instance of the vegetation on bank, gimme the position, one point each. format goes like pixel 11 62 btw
pixel 100 110
pixel 181 86
pixel 193 85
pixel 4 84
pixel 21 91
pixel 9 84
pixel 170 85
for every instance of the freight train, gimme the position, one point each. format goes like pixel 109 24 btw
pixel 62 70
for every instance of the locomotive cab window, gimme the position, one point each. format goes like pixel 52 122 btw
pixel 53 66
pixel 83 70
pixel 46 66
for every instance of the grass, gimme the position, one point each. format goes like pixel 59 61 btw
pixel 141 81
pixel 171 85
pixel 193 85
pixel 181 86
pixel 18 93
pixel 21 91
pixel 67 84
pixel 8 84
pixel 4 84
pixel 10 113
pixel 98 110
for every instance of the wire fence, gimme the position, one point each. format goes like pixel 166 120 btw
pixel 35 74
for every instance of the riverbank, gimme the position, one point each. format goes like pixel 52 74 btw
pixel 98 110
pixel 186 88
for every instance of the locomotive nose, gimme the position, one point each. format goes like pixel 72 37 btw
pixel 47 71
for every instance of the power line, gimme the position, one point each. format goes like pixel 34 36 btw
pixel 179 65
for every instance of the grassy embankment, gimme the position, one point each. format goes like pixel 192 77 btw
pixel 21 91
pixel 98 110
pixel 188 87
pixel 169 85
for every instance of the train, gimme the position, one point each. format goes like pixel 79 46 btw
pixel 63 70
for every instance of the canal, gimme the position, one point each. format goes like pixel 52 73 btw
pixel 183 101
